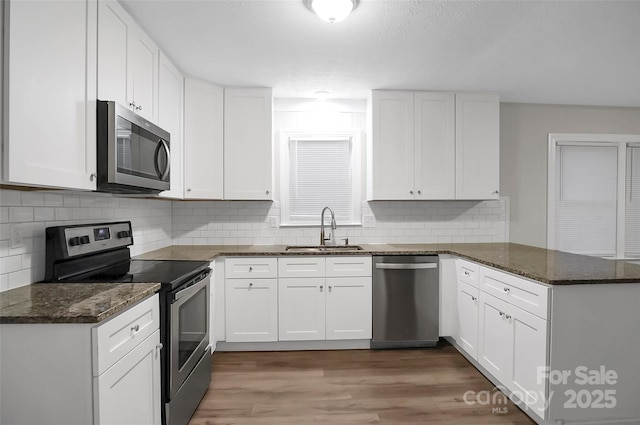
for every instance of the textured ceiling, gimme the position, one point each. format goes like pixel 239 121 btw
pixel 563 52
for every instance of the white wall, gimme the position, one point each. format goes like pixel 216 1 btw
pixel 524 130
pixel 33 211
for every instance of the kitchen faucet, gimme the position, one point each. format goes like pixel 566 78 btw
pixel 333 225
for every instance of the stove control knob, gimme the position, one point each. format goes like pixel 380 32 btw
pixel 75 241
pixel 124 234
pixel 84 240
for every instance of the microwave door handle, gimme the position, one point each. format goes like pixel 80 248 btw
pixel 162 174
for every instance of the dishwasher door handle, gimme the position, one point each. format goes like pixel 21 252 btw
pixel 406 266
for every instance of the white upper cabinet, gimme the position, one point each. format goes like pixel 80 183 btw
pixel 433 145
pixel 477 146
pixel 391 151
pixel 50 97
pixel 248 148
pixel 127 62
pixel 203 140
pixel 170 113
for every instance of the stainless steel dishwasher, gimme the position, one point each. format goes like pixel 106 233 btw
pixel 405 301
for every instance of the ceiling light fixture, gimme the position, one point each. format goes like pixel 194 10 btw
pixel 332 10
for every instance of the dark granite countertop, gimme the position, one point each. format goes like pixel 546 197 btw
pixel 544 265
pixel 70 302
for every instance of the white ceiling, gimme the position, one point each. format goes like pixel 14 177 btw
pixel 562 52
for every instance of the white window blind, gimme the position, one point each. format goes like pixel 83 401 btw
pixel 632 202
pixel 586 199
pixel 320 170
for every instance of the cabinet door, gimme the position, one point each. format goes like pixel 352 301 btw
pixel 248 144
pixel 348 308
pixel 391 151
pixel 477 146
pixel 529 355
pixel 129 392
pixel 170 102
pixel 203 140
pixel 301 309
pixel 495 346
pixel 468 318
pixel 142 73
pixel 251 310
pixel 50 97
pixel 435 145
pixel 113 27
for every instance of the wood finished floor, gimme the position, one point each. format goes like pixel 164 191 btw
pixel 424 386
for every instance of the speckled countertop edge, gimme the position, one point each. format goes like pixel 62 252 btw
pixel 539 264
pixel 70 302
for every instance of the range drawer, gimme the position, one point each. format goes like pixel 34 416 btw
pixel 348 266
pixel 310 266
pixel 250 267
pixel 467 272
pixel 119 335
pixel 530 296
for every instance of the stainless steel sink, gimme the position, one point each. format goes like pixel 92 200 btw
pixel 323 248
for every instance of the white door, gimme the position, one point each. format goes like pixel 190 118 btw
pixel 170 102
pixel 391 168
pixel 468 318
pixel 348 308
pixel 113 26
pixel 251 310
pixel 301 309
pixel 248 139
pixel 435 145
pixel 203 140
pixel 142 73
pixel 50 99
pixel 529 356
pixel 129 391
pixel 495 345
pixel 477 146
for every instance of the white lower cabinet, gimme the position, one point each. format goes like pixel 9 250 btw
pixel 316 303
pixel 468 305
pixel 129 392
pixel 251 310
pixel 86 373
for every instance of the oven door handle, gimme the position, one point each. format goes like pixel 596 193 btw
pixel 193 286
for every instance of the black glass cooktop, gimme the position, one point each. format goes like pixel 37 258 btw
pixel 167 272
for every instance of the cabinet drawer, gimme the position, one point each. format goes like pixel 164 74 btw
pixel 348 265
pixel 467 272
pixel 529 296
pixel 250 268
pixel 122 333
pixel 311 266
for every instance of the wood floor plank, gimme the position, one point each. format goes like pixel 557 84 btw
pixel 389 387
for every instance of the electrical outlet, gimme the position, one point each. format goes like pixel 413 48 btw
pixel 273 222
pixel 368 221
pixel 16 237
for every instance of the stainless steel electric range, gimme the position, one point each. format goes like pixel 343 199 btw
pixel 100 253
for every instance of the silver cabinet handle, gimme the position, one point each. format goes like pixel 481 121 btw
pixel 250 284
pixel 321 288
pixel 138 108
pixel 473 298
pixel 406 266
pixel 495 192
pixel 329 288
pixel 188 189
pixel 419 192
pixel 411 192
pixel 250 269
pixel 501 313
pixel 132 104
pixel 135 328
pixel 467 274
pixel 92 177
pixel 266 191
pixel 506 316
pixel 507 290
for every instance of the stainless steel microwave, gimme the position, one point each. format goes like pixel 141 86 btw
pixel 133 154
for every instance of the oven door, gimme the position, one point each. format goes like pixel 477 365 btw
pixel 189 330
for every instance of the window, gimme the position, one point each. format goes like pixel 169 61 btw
pixel 319 170
pixel 594 195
